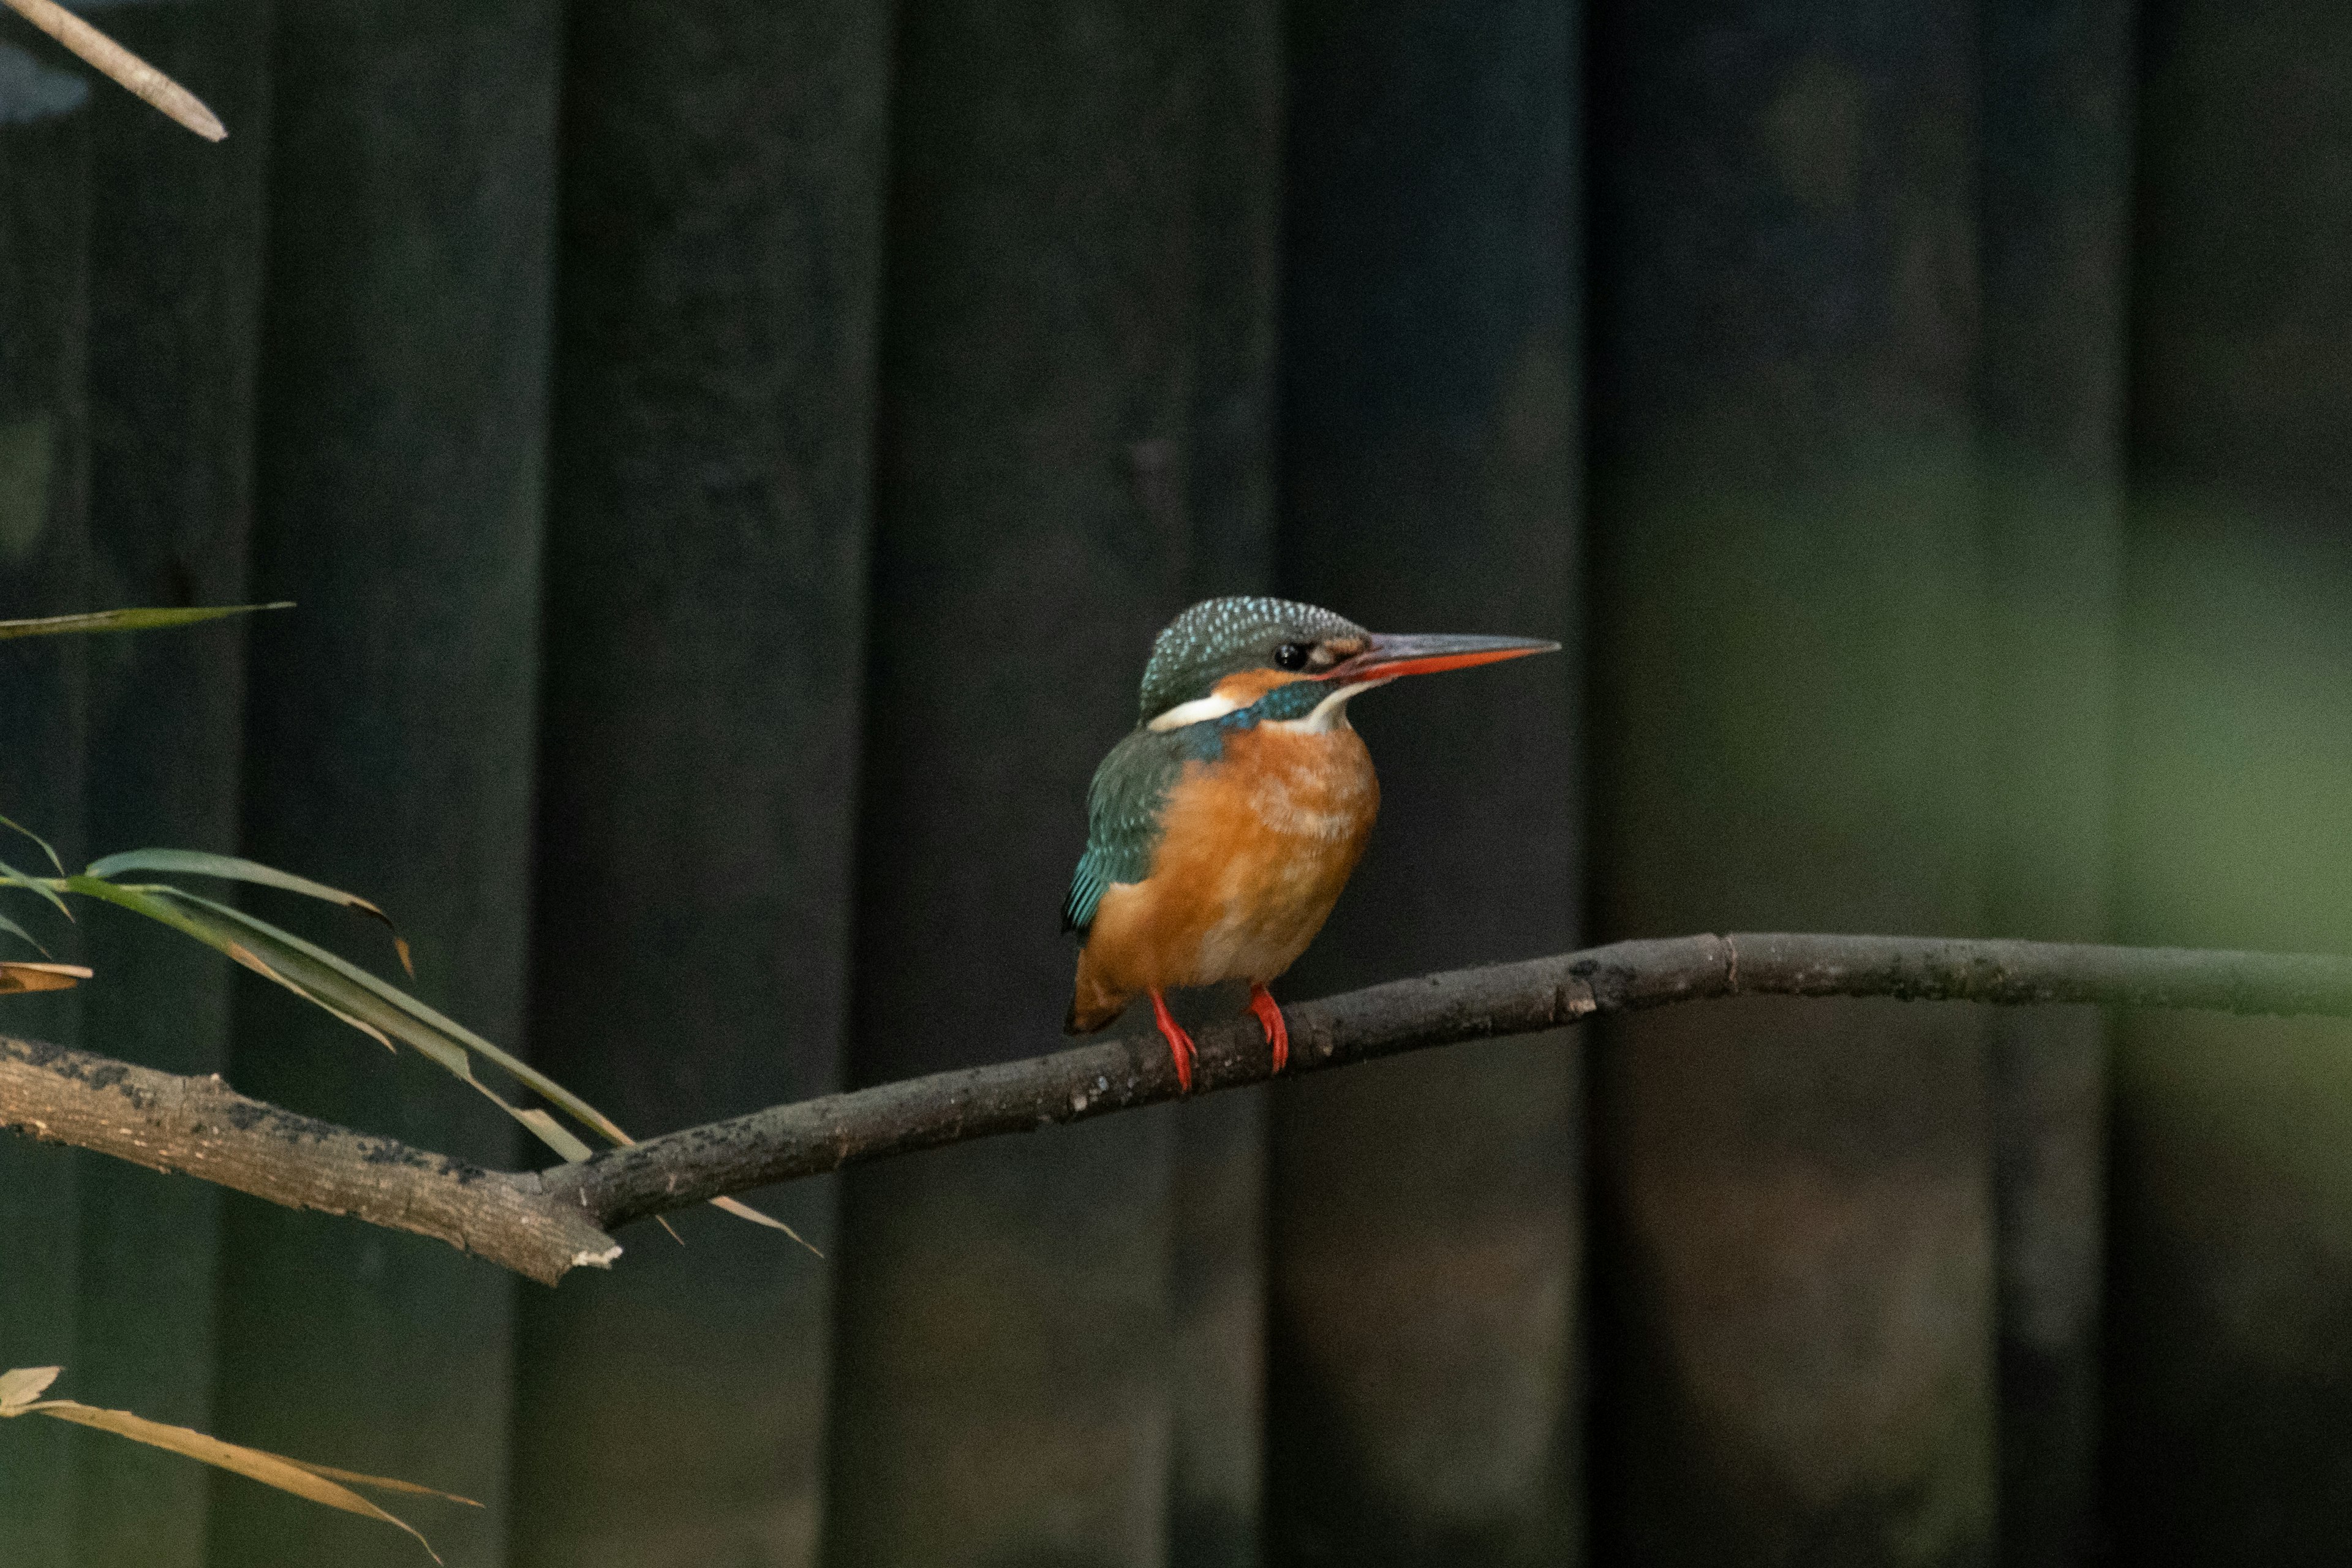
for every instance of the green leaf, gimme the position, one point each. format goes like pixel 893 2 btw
pixel 20 827
pixel 21 934
pixel 129 620
pixel 11 877
pixel 349 992
pixel 410 1008
pixel 374 1008
pixel 199 863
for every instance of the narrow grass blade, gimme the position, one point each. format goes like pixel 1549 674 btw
pixel 742 1210
pixel 12 877
pixel 410 1009
pixel 342 987
pixel 20 827
pixel 382 1483
pixel 130 620
pixel 436 1038
pixel 21 934
pixel 230 868
pixel 554 1134
pixel 312 1483
pixel 375 1007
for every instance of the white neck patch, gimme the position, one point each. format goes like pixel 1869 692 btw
pixel 1193 712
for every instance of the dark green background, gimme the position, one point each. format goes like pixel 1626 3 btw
pixel 731 457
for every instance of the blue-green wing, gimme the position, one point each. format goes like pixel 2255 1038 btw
pixel 1123 810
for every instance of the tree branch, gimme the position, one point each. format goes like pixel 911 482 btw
pixel 544 1224
pixel 200 1127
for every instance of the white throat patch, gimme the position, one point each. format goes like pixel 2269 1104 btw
pixel 1327 715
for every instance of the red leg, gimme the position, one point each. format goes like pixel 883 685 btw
pixel 1180 1044
pixel 1270 1019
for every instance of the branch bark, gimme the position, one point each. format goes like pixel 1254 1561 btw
pixel 200 1127
pixel 544 1224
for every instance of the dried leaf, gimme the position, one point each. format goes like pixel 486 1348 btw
pixel 306 1481
pixel 382 1483
pixel 127 620
pixel 16 977
pixel 140 79
pixel 24 1384
pixel 742 1210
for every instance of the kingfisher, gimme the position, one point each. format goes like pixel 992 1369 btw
pixel 1222 829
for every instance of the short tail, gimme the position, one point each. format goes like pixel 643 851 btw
pixel 1092 1005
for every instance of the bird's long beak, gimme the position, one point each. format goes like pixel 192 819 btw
pixel 1427 653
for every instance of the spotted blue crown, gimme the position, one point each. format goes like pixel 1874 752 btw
pixel 1218 637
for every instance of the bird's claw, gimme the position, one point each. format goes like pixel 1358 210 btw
pixel 1180 1044
pixel 1270 1019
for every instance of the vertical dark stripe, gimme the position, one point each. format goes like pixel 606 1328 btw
pixel 706 575
pixel 44 570
pixel 1000 1392
pixel 1217 1258
pixel 2055 231
pixel 2231 1369
pixel 391 723
pixel 175 273
pixel 1797 1273
pixel 1426 1233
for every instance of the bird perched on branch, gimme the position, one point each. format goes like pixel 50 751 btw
pixel 1222 829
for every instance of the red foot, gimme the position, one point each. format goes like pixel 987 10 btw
pixel 1180 1044
pixel 1270 1019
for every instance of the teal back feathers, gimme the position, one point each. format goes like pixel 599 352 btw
pixel 1123 807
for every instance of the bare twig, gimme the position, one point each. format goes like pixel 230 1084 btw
pixel 143 80
pixel 545 1224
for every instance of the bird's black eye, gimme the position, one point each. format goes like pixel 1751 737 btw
pixel 1292 656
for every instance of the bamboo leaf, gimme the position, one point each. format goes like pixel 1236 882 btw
pixel 342 987
pixel 742 1210
pixel 21 934
pixel 382 1483
pixel 410 1011
pixel 200 863
pixel 312 1483
pixel 129 620
pixel 375 1007
pixel 24 1384
pixel 135 75
pixel 16 977
pixel 20 827
pixel 11 877
pixel 554 1134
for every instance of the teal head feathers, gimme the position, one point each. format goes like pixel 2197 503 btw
pixel 1219 637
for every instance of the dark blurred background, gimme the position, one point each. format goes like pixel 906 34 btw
pixel 731 457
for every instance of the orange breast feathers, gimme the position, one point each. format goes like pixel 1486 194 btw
pixel 1255 850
